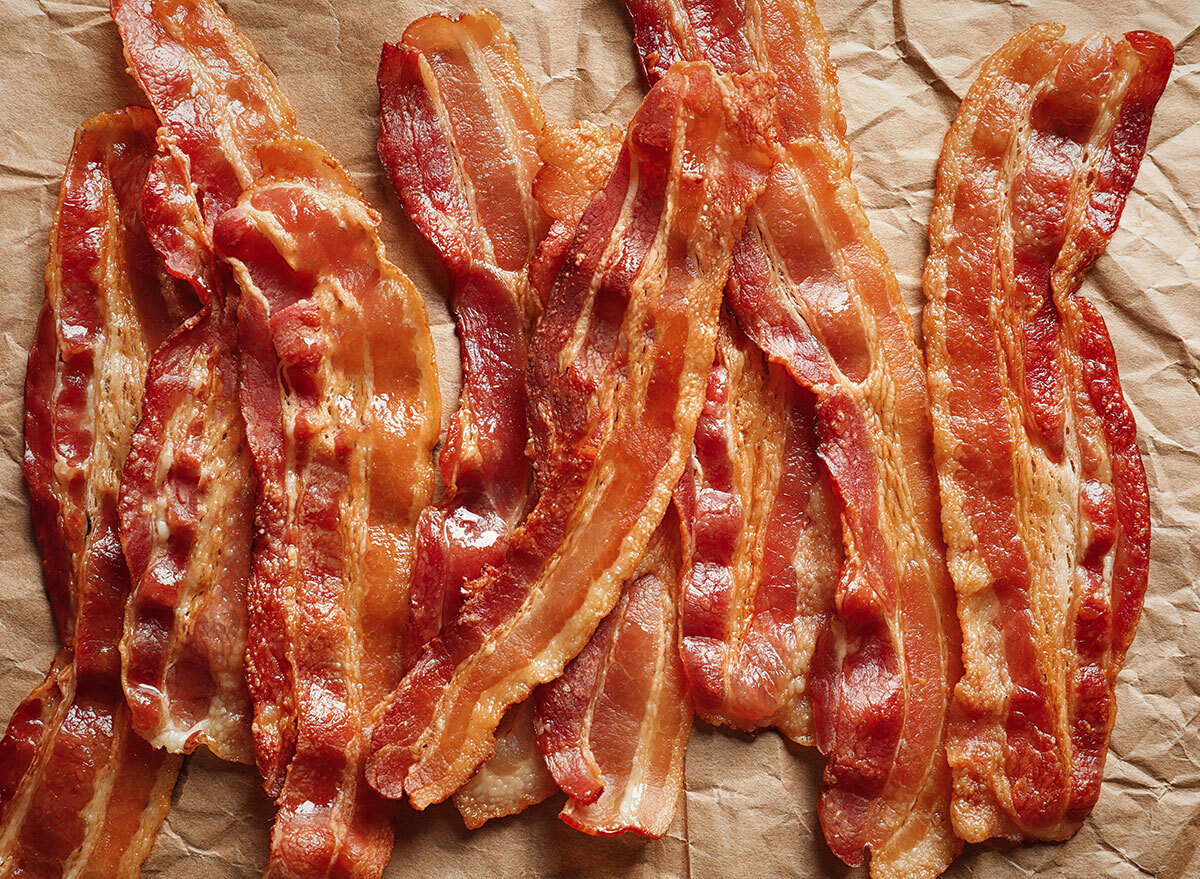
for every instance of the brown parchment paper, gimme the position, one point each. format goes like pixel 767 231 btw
pixel 749 805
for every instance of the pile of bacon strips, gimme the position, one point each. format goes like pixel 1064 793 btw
pixel 699 463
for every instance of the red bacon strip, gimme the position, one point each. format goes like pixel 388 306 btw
pixel 614 728
pixel 615 381
pixel 764 546
pixel 186 505
pixel 339 394
pixel 80 793
pixel 1046 514
pixel 459 118
pixel 812 288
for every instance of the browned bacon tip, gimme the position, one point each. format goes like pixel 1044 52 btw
pixel 459 130
pixel 616 380
pixel 81 793
pixel 1046 511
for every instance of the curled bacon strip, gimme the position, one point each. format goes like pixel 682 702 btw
pixel 614 728
pixel 458 119
pixel 615 380
pixel 1046 509
pixel 338 390
pixel 187 502
pixel 812 288
pixel 80 793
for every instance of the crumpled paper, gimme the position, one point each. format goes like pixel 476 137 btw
pixel 749 807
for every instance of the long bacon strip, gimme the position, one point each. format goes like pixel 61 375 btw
pixel 187 505
pixel 616 379
pixel 1046 514
pixel 80 793
pixel 339 393
pixel 459 131
pixel 812 287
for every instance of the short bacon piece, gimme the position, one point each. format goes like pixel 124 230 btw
pixel 80 793
pixel 187 504
pixel 764 546
pixel 614 728
pixel 1046 509
pixel 813 289
pixel 616 378
pixel 339 393
pixel 459 131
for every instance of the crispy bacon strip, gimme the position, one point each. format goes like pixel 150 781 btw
pixel 459 130
pixel 187 504
pixel 339 393
pixel 614 728
pixel 1046 514
pixel 80 793
pixel 615 379
pixel 812 288
pixel 763 543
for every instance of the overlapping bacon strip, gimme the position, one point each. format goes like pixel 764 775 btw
pixel 614 728
pixel 339 393
pixel 1046 510
pixel 812 288
pixel 187 504
pixel 459 130
pixel 80 793
pixel 616 380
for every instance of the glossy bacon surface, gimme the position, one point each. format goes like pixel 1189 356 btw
pixel 614 728
pixel 616 378
pixel 764 546
pixel 459 132
pixel 338 390
pixel 187 504
pixel 80 793
pixel 813 289
pixel 1046 509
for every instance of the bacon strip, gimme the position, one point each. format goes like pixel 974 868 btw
pixel 186 505
pixel 339 393
pixel 614 728
pixel 80 793
pixel 459 118
pixel 1047 514
pixel 812 288
pixel 764 546
pixel 615 380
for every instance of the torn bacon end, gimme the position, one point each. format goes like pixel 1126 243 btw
pixel 1046 510
pixel 614 728
pixel 656 241
pixel 458 117
pixel 80 790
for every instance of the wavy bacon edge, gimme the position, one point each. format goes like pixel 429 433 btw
pixel 1028 756
pixel 438 725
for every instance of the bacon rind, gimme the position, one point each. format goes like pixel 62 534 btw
pixel 458 117
pixel 1046 512
pixel 614 727
pixel 812 287
pixel 84 795
pixel 663 286
pixel 763 543
pixel 187 502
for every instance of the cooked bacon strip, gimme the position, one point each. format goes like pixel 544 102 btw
pixel 616 380
pixel 80 793
pixel 813 289
pixel 1047 514
pixel 339 393
pixel 764 546
pixel 187 503
pixel 458 119
pixel 614 728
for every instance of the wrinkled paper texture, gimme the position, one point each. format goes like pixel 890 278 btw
pixel 749 805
